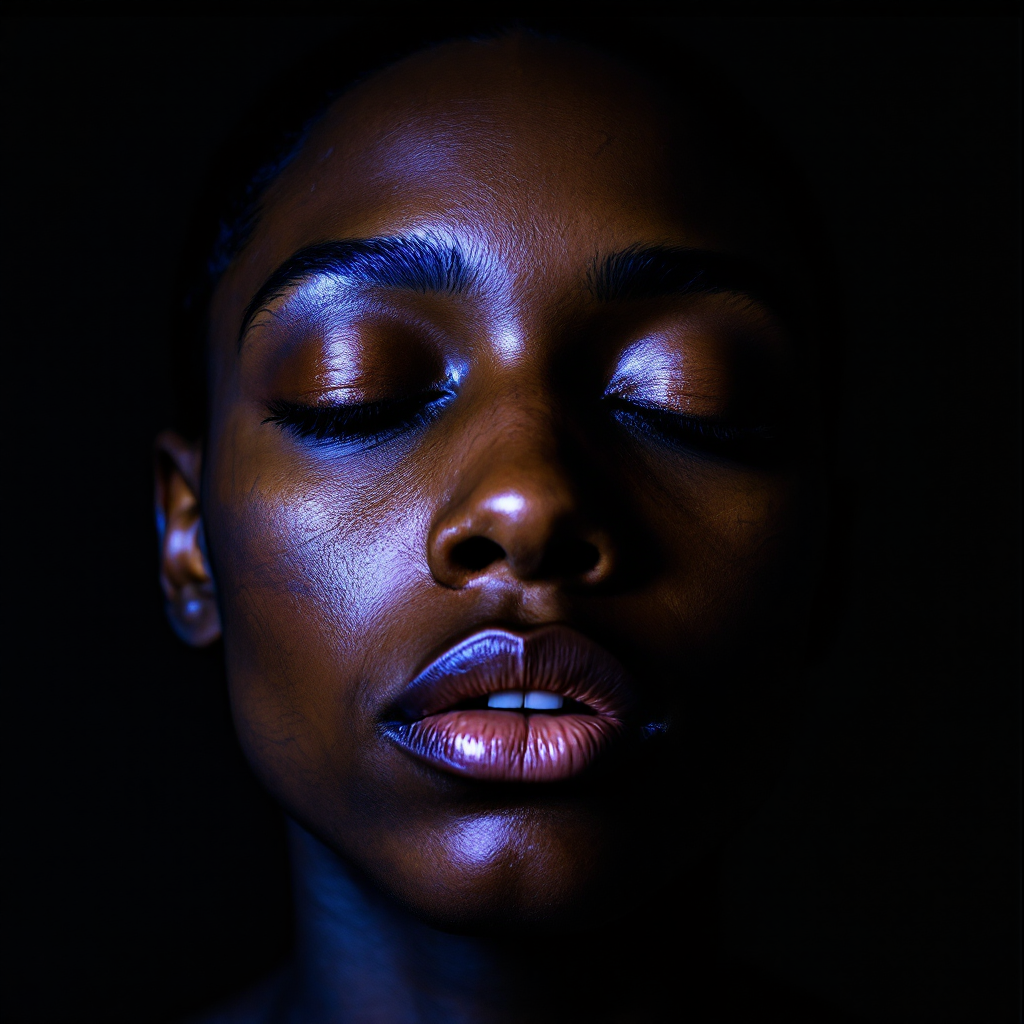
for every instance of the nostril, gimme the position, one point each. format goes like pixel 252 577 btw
pixel 476 553
pixel 582 558
pixel 569 559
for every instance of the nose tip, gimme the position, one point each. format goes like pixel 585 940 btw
pixel 530 533
pixel 508 504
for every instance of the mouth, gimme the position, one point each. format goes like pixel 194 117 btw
pixel 501 706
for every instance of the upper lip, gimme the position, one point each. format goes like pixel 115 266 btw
pixel 555 658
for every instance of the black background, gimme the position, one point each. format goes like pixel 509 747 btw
pixel 145 872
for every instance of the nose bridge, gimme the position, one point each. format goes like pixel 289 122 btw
pixel 517 508
pixel 517 472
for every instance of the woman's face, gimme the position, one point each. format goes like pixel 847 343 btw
pixel 527 424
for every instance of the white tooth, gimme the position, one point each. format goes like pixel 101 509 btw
pixel 506 699
pixel 541 700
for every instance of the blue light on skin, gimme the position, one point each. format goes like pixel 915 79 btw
pixel 653 372
pixel 509 343
pixel 328 291
pixel 352 940
pixel 334 567
pixel 480 840
pixel 486 264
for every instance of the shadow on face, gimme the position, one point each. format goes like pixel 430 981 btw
pixel 510 507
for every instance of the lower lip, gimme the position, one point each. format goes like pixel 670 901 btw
pixel 508 746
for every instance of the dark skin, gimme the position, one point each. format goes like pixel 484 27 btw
pixel 553 460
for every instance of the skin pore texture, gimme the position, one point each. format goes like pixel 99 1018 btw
pixel 528 377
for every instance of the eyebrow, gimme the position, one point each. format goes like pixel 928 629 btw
pixel 653 271
pixel 414 263
pixel 424 264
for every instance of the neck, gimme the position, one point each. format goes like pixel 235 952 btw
pixel 361 957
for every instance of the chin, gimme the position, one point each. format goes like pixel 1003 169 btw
pixel 488 879
pixel 562 866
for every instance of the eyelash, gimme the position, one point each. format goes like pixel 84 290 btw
pixel 364 425
pixel 734 441
pixel 369 424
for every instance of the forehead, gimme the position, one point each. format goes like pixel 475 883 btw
pixel 511 123
pixel 530 151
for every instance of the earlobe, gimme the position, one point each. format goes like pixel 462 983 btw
pixel 185 575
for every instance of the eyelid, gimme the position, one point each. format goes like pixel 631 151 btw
pixel 655 370
pixel 640 405
pixel 740 442
pixel 365 392
pixel 681 402
pixel 680 397
pixel 357 425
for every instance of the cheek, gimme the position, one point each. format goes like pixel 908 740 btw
pixel 755 541
pixel 747 606
pixel 732 540
pixel 309 563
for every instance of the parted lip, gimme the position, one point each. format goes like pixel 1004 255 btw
pixel 554 658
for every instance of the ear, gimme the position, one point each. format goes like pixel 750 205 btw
pixel 185 575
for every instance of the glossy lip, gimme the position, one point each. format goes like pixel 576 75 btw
pixel 513 746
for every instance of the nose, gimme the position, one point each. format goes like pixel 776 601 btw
pixel 518 513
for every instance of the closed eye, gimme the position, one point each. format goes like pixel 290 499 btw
pixel 357 426
pixel 741 442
